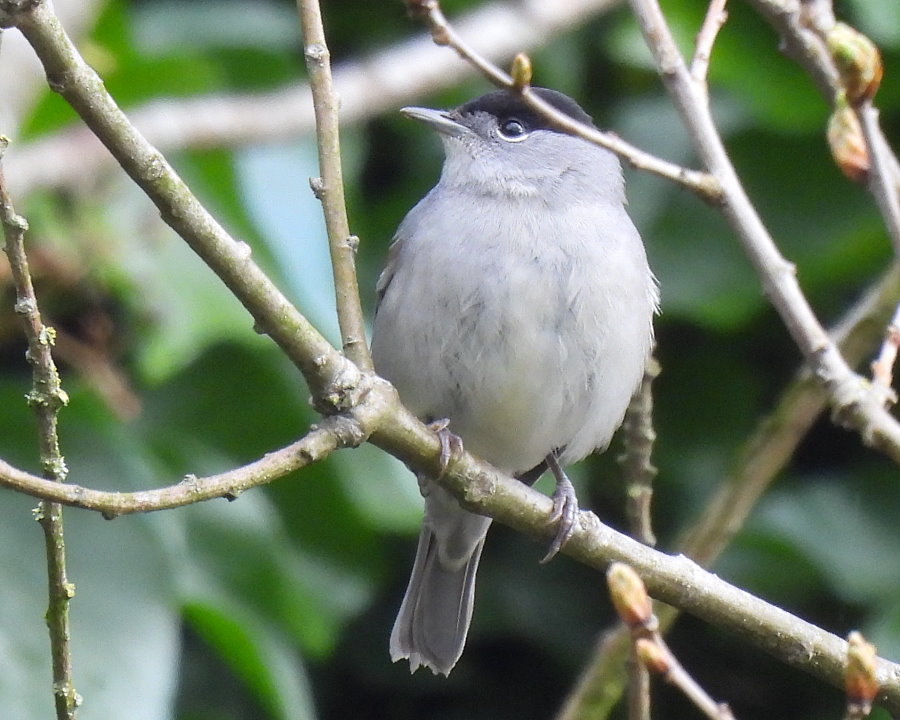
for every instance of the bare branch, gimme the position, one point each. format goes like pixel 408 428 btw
pixel 330 376
pixel 675 580
pixel 712 23
pixel 317 444
pixel 367 86
pixel 638 470
pixel 883 366
pixel 856 402
pixel 881 180
pixel 444 33
pixel 629 597
pixel 638 688
pixel 46 398
pixel 329 188
pixel 802 27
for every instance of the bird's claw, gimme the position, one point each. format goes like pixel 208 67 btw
pixel 451 444
pixel 565 511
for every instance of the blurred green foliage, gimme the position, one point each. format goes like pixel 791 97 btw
pixel 279 605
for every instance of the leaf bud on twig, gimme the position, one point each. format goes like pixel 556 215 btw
pixel 860 681
pixel 654 658
pixel 858 61
pixel 629 596
pixel 521 71
pixel 845 138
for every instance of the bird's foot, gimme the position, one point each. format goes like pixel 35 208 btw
pixel 451 444
pixel 565 509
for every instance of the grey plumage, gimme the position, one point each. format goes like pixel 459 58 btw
pixel 517 302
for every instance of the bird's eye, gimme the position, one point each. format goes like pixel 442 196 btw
pixel 512 129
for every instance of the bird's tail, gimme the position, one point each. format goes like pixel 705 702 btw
pixel 434 618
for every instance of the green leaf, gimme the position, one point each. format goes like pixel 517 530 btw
pixel 836 527
pixel 240 553
pixel 879 19
pixel 259 656
pixel 382 488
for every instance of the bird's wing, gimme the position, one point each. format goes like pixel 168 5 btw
pixel 387 274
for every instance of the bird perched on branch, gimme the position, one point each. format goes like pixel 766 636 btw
pixel 515 312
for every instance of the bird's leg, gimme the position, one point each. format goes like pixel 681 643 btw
pixel 565 507
pixel 451 444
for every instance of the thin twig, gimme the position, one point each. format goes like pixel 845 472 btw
pixel 883 366
pixel 332 433
pixel 332 379
pixel 444 33
pixel 682 679
pixel 329 188
pixel 368 85
pixel 881 182
pixel 638 470
pixel 634 607
pixel 801 27
pixel 856 402
pixel 712 23
pixel 46 398
pixel 638 688
pixel 701 183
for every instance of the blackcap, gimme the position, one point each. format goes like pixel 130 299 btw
pixel 515 311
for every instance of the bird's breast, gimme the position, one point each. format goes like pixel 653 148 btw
pixel 528 336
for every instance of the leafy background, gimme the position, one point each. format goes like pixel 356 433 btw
pixel 279 605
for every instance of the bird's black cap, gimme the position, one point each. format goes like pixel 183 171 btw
pixel 509 104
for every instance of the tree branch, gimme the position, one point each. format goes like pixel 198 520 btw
pixel 856 402
pixel 444 33
pixel 329 375
pixel 802 27
pixel 881 180
pixel 46 398
pixel 332 433
pixel 675 580
pixel 367 86
pixel 329 188
pixel 883 365
pixel 638 470
pixel 716 16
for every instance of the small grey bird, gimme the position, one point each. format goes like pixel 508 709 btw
pixel 516 311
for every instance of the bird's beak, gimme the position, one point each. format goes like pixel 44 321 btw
pixel 439 120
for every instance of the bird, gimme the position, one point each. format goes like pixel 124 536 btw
pixel 514 314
